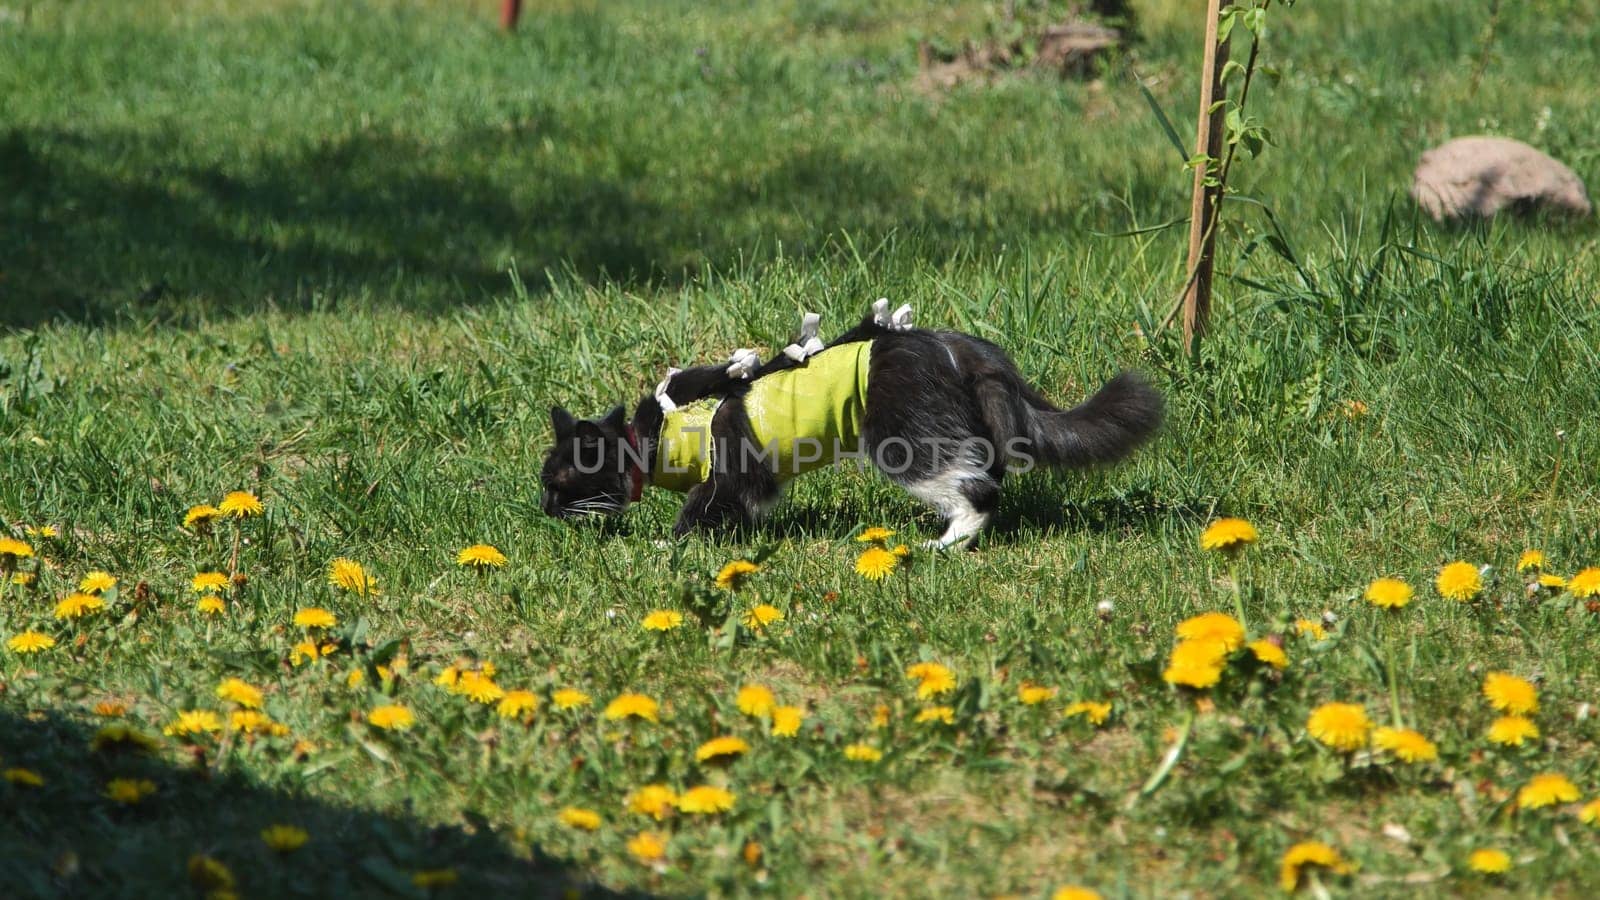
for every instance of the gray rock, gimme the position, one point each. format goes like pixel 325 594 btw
pixel 1480 176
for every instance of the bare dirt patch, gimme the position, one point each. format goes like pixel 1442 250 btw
pixel 1068 50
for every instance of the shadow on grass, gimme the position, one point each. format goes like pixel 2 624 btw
pixel 1031 503
pixel 98 224
pixel 64 838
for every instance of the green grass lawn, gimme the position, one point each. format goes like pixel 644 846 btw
pixel 346 255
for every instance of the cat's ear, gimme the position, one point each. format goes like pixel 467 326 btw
pixel 616 419
pixel 563 423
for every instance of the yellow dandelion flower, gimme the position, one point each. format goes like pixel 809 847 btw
pixel 23 578
pixel 209 582
pixel 1341 726
pixel 349 575
pixel 97 582
pixel 632 705
pixel 1269 654
pixel 211 605
pixel 121 737
pixel 1551 582
pixel 44 531
pixel 756 700
pixel 314 617
pixel 14 549
pixel 733 574
pixel 1531 559
pixel 23 777
pixel 427 879
pixel 1545 790
pixel 580 818
pixel 874 535
pixel 478 687
pixel 355 679
pixel 110 708
pixel 1228 535
pixel 128 791
pixel 1196 664
pixel 663 620
pixel 880 716
pixel 875 563
pixel 481 557
pixel 249 721
pixel 1406 745
pixel 284 838
pixel 932 679
pixel 31 642
pixel 1389 593
pixel 515 703
pixel 1075 892
pixel 1096 713
pixel 786 720
pixel 1309 853
pixel 200 516
pixel 1217 627
pixel 647 847
pixel 238 691
pixel 761 615
pixel 943 715
pixel 1031 694
pixel 240 504
pixel 1585 584
pixel 720 749
pixel 706 800
pixel 653 800
pixel 570 698
pixel 1310 627
pixel 1590 813
pixel 1513 731
pixel 391 717
pixel 1510 694
pixel 76 606
pixel 210 874
pixel 1459 581
pixel 862 753
pixel 193 722
pixel 1489 861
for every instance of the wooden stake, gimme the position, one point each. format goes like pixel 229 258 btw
pixel 510 12
pixel 1203 207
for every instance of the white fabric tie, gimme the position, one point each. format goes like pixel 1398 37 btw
pixel 899 320
pixel 809 344
pixel 743 364
pixel 661 392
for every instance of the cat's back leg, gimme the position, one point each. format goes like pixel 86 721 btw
pixel 924 430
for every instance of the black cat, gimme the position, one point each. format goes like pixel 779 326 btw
pixel 942 414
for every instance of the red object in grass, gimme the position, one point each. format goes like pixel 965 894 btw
pixel 510 11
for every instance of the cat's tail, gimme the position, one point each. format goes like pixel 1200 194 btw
pixel 1105 428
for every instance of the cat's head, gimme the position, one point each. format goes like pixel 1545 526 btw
pixel 590 470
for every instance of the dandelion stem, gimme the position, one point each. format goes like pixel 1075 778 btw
pixel 1174 753
pixel 1394 678
pixel 1238 591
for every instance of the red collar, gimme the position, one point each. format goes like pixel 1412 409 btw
pixel 635 470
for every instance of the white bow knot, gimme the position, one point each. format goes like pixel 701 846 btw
pixel 743 363
pixel 661 392
pixel 809 344
pixel 899 320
